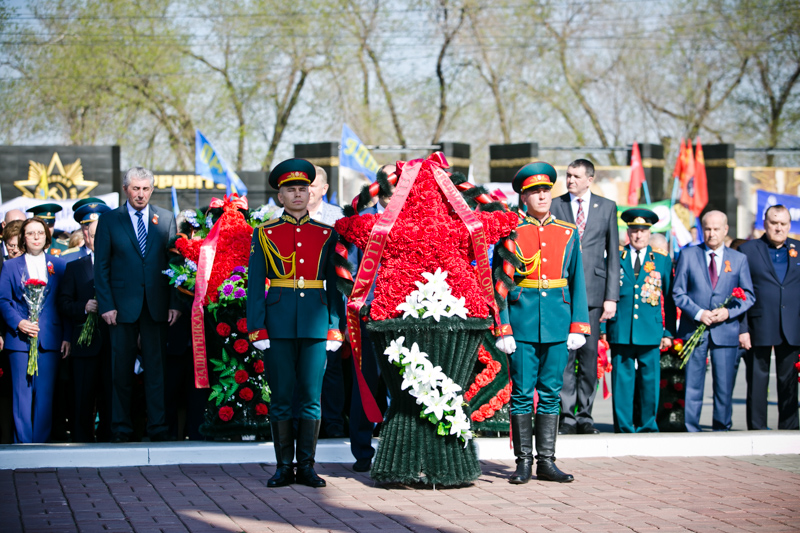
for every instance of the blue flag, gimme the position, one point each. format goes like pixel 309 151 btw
pixel 354 154
pixel 175 208
pixel 209 164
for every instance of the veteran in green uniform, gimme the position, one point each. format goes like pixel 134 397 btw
pixel 546 314
pixel 47 212
pixel 644 323
pixel 297 320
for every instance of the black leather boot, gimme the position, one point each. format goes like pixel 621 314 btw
pixel 283 441
pixel 522 437
pixel 546 431
pixel 307 434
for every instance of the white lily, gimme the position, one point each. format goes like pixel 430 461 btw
pixel 396 350
pixel 411 307
pixel 437 278
pixel 432 376
pixel 456 307
pixel 411 378
pixel 449 387
pixel 438 406
pixel 414 357
pixel 436 310
pixel 459 423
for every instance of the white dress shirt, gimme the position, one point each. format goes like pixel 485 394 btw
pixel 37 266
pixel 640 253
pixel 135 220
pixel 573 203
pixel 717 264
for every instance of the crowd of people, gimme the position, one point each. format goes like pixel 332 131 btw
pixel 565 297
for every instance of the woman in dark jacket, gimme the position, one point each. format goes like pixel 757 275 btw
pixel 33 395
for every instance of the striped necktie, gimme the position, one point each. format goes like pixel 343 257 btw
pixel 141 232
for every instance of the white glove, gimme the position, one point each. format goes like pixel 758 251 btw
pixel 575 341
pixel 262 344
pixel 506 344
pixel 332 346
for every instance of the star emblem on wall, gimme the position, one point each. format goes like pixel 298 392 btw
pixel 55 181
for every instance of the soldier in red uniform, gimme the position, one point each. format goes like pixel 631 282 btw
pixel 546 315
pixel 297 320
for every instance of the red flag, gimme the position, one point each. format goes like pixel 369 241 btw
pixel 676 174
pixel 700 196
pixel 637 176
pixel 687 175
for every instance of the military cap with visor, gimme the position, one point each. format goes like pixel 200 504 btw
pixel 292 172
pixel 537 174
pixel 639 218
pixel 46 212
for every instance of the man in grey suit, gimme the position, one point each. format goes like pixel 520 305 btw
pixel 135 300
pixel 705 276
pixel 596 220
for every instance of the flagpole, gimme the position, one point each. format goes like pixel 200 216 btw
pixel 646 190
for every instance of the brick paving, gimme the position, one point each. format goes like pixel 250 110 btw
pixel 609 495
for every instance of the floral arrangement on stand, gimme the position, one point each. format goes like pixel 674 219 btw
pixel 239 395
pixel 670 416
pixel 427 230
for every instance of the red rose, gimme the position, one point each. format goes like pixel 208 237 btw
pixel 241 345
pixel 504 396
pixel 482 380
pixel 223 329
pixel 678 386
pixel 241 325
pixel 681 403
pixel 1 372
pixel 261 409
pixel 495 403
pixel 477 417
pixel 662 383
pixel 225 413
pixel 241 376
pixel 667 405
pixel 258 366
pixel 739 293
pixel 246 394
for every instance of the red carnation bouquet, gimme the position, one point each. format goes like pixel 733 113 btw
pixel 738 294
pixel 34 290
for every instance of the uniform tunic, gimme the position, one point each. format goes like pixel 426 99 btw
pixel 548 303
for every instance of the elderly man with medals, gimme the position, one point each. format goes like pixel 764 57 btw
pixel 644 323
pixel 293 311
pixel 546 314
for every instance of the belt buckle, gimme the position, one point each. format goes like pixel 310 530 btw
pixel 301 283
pixel 545 283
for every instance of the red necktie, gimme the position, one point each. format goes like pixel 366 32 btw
pixel 712 271
pixel 580 221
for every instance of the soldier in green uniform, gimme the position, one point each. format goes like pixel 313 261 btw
pixel 47 212
pixel 546 315
pixel 298 320
pixel 644 323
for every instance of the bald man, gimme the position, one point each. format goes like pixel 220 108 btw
pixel 705 276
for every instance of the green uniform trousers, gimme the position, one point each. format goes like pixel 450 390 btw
pixel 294 363
pixel 537 366
pixel 626 378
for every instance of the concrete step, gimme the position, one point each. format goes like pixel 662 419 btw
pixel 706 444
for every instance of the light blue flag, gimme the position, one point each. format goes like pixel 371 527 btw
pixel 355 155
pixel 175 208
pixel 334 198
pixel 209 164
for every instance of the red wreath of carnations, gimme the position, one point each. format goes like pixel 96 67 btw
pixel 486 376
pixel 241 376
pixel 427 235
pixel 233 248
pixel 241 325
pixel 262 409
pixel 246 394
pixel 241 346
pixel 488 410
pixel 225 413
pixel 189 248
pixel 258 367
pixel 223 329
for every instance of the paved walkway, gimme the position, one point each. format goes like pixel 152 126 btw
pixel 612 494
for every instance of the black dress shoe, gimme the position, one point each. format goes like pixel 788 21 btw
pixel 567 429
pixel 119 438
pixel 587 428
pixel 362 465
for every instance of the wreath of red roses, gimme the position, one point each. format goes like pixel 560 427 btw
pixel 483 379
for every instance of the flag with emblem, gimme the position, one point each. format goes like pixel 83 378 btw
pixel 209 164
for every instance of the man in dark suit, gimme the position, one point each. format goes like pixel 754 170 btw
pixel 773 320
pixel 596 219
pixel 135 299
pixel 90 362
pixel 704 278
